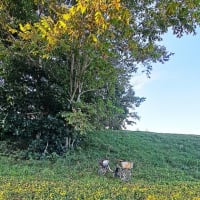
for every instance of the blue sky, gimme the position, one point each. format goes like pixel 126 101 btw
pixel 173 92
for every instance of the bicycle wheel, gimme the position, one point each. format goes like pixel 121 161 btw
pixel 125 174
pixel 128 174
pixel 102 171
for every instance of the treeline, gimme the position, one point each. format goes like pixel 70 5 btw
pixel 66 66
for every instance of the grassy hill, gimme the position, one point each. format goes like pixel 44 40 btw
pixel 166 166
pixel 155 155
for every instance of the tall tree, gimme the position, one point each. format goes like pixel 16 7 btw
pixel 66 67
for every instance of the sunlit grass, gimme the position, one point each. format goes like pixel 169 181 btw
pixel 95 188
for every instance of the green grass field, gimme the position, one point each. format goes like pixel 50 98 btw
pixel 166 166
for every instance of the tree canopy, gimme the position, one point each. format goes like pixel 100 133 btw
pixel 66 66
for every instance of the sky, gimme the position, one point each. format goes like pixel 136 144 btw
pixel 173 92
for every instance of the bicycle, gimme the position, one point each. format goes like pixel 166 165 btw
pixel 104 167
pixel 122 170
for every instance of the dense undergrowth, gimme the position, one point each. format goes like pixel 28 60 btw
pixel 166 166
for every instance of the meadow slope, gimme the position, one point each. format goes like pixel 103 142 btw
pixel 166 166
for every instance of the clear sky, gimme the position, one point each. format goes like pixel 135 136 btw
pixel 173 92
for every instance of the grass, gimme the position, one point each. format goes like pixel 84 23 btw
pixel 166 166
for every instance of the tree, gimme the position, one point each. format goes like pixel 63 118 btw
pixel 62 79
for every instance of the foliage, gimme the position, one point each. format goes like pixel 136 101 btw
pixel 78 120
pixel 29 103
pixel 60 79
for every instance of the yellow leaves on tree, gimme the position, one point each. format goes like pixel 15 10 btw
pixel 81 6
pixel 66 16
pixel 26 27
pixel 39 2
pixel 99 19
pixel 117 4
pixel 94 38
pixel 25 31
pixel 86 21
